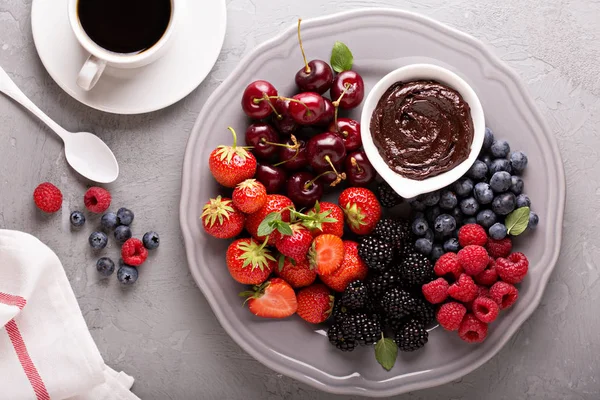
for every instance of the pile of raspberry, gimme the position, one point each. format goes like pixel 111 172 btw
pixel 474 284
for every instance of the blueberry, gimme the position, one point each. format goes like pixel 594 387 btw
pixel 419 226
pixel 431 199
pixel 488 139
pixel 98 240
pixel 423 246
pixel 470 220
pixel 436 252
pixel 125 216
pixel 109 221
pixel 417 205
pixel 504 203
pixel 418 214
pixel 469 206
pixel 127 274
pixel 448 200
pixel 429 235
pixel 533 220
pixel 483 193
pixel 77 218
pixel 458 215
pixel 478 170
pixel 500 164
pixel 487 159
pixel 122 233
pixel 105 266
pixel 432 213
pixel 445 224
pixel 523 201
pixel 486 218
pixel 451 245
pixel 500 148
pixel 516 185
pixel 463 187
pixel 500 182
pixel 518 161
pixel 498 231
pixel 151 240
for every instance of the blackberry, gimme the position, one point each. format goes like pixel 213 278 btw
pixel 339 312
pixel 416 269
pixel 411 335
pixel 397 303
pixel 375 252
pixel 378 284
pixel 355 296
pixel 424 311
pixel 362 328
pixel 405 230
pixel 371 332
pixel 387 196
pixel 340 341
pixel 389 230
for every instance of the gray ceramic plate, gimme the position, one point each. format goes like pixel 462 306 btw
pixel 382 40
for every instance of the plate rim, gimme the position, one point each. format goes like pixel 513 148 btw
pixel 303 373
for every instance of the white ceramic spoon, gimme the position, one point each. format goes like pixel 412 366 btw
pixel 85 152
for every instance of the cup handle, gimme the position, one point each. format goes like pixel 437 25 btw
pixel 90 72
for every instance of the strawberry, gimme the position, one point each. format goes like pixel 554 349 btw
pixel 353 268
pixel 325 218
pixel 315 303
pixel 361 208
pixel 249 196
pixel 221 219
pixel 272 299
pixel 326 254
pixel 298 275
pixel 296 245
pixel 231 165
pixel 274 203
pixel 249 262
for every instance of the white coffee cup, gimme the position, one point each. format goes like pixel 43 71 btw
pixel 100 57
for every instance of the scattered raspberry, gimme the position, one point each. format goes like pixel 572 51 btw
pixel 499 248
pixel 97 199
pixel 512 269
pixel 448 266
pixel 450 315
pixel 464 289
pixel 47 197
pixel 504 294
pixel 485 309
pixel 436 291
pixel 472 330
pixel 489 275
pixel 482 291
pixel 473 259
pixel 133 252
pixel 472 234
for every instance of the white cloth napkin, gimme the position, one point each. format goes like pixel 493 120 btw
pixel 46 350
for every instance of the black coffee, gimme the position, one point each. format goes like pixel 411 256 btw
pixel 124 26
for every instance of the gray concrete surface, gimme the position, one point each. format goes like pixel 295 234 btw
pixel 163 332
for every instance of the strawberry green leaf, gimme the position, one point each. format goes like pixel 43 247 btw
pixel 280 262
pixel 517 221
pixel 341 57
pixel 284 228
pixel 386 352
pixel 267 226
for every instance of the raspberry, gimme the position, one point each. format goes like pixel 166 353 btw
pixel 97 199
pixel 47 197
pixel 473 259
pixel 485 309
pixel 472 330
pixel 482 291
pixel 133 252
pixel 489 275
pixel 450 315
pixel 512 269
pixel 472 234
pixel 504 294
pixel 499 248
pixel 436 291
pixel 448 266
pixel 464 289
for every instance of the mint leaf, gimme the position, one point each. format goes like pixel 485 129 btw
pixel 268 224
pixel 281 261
pixel 341 57
pixel 386 352
pixel 516 222
pixel 284 228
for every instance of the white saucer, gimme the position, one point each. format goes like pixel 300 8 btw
pixel 192 53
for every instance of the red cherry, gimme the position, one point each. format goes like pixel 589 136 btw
pixel 303 189
pixel 359 170
pixel 282 120
pixel 257 135
pixel 293 159
pixel 328 114
pixel 330 176
pixel 349 130
pixel 316 76
pixel 254 101
pixel 307 108
pixel 354 94
pixel 325 149
pixel 272 177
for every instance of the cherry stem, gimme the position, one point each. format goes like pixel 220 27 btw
pixel 355 165
pixel 277 115
pixel 306 68
pixel 339 177
pixel 234 137
pixel 256 101
pixel 336 105
pixel 296 146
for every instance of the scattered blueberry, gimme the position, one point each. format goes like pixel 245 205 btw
pixel 470 220
pixel 423 246
pixel 498 231
pixel 500 148
pixel 151 240
pixel 533 220
pixel 77 219
pixel 523 201
pixel 448 200
pixel 500 164
pixel 469 206
pixel 516 185
pixel 458 215
pixel 98 240
pixel 488 139
pixel 417 205
pixel 483 193
pixel 419 226
pixel 105 266
pixel 478 170
pixel 486 218
pixel 429 235
pixel 431 199
pixel 432 213
pixel 127 274
pixel 419 214
pixel 109 221
pixel 436 252
pixel 451 245
pixel 518 161
pixel 504 203
pixel 445 224
pixel 122 233
pixel 487 159
pixel 463 187
pixel 125 216
pixel 500 182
